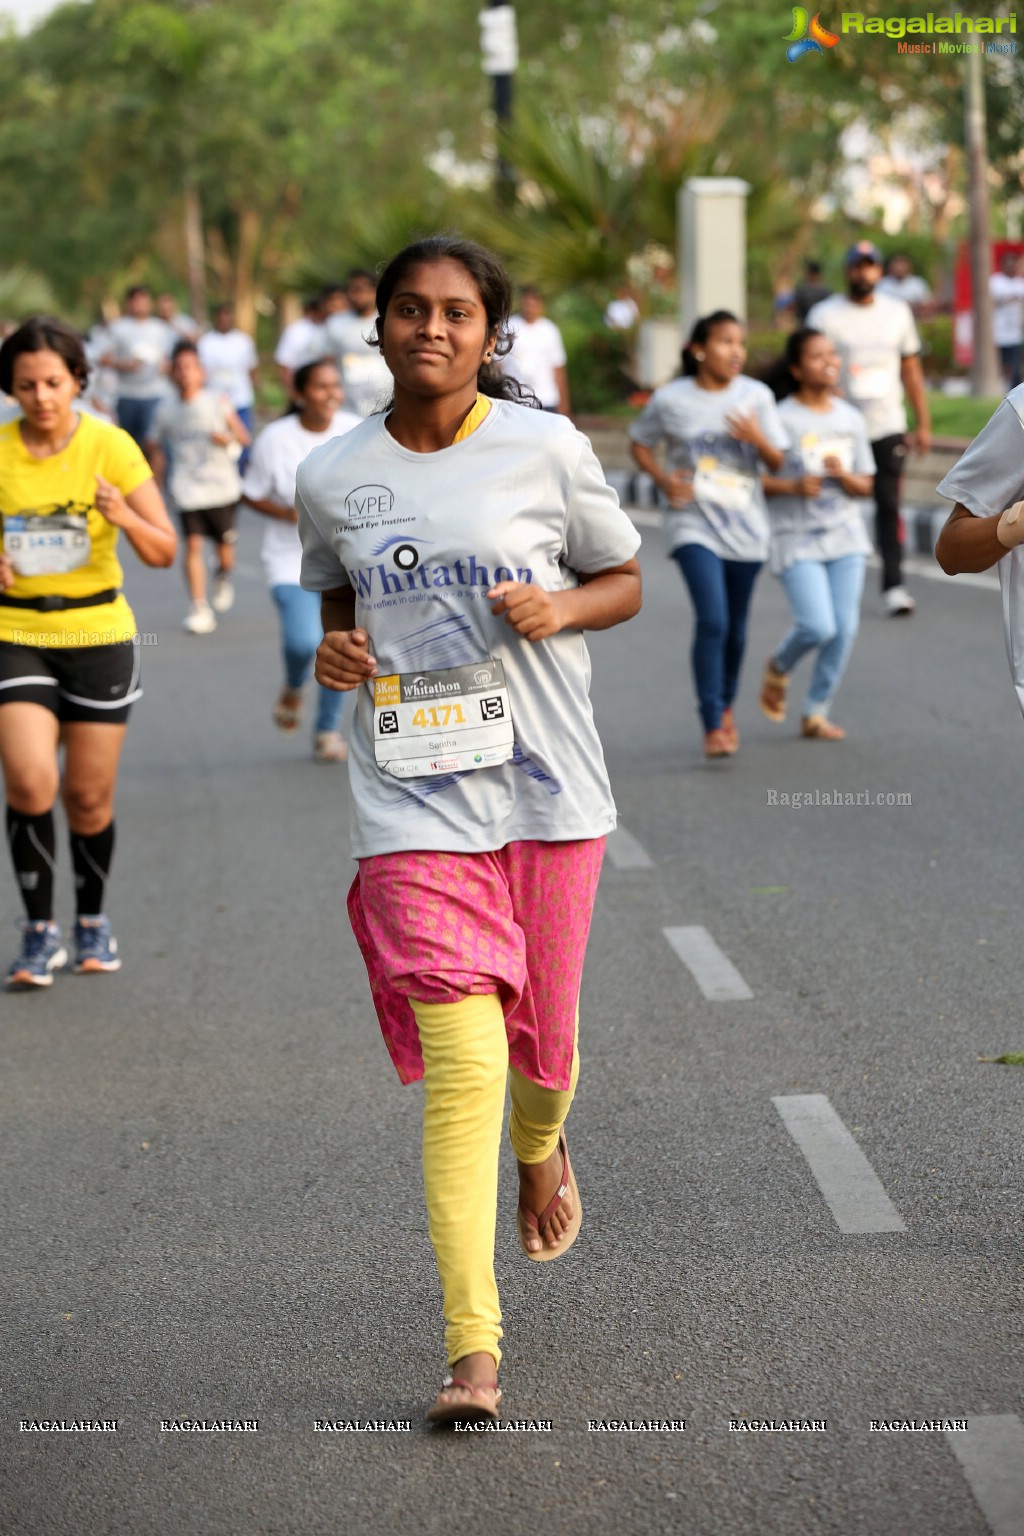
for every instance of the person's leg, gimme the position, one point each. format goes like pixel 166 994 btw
pixel 195 566
pixel 225 537
pixel 704 575
pixel 92 751
pixel 246 417
pixel 739 577
pixel 845 580
pixel 465 1060
pixel 28 754
pixel 535 1124
pixel 890 453
pixel 810 599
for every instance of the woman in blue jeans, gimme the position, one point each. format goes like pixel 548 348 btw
pixel 819 544
pixel 269 487
pixel 719 428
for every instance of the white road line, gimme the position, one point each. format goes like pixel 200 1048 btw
pixel 843 1174
pixel 713 972
pixel 991 1452
pixel 625 852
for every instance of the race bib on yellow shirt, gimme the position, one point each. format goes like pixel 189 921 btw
pixel 448 721
pixel 43 543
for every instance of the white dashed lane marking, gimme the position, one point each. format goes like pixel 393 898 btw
pixel 713 971
pixel 624 852
pixel 991 1452
pixel 847 1180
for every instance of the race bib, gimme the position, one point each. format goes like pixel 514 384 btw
pixel 815 450
pixel 720 486
pixel 870 382
pixel 47 544
pixel 449 721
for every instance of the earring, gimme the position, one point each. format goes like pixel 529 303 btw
pixel 699 356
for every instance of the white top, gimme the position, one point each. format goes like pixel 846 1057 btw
pixel 201 474
pixel 728 514
pixel 150 343
pixel 829 527
pixel 537 350
pixel 270 475
pixel 621 314
pixel 365 376
pixel 911 289
pixel 986 480
pixel 229 358
pixel 421 538
pixel 1007 310
pixel 301 342
pixel 872 340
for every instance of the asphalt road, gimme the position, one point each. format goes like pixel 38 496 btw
pixel 210 1198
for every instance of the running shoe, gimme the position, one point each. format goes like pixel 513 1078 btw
pixel 898 603
pixel 201 620
pixel 223 595
pixel 95 946
pixel 42 953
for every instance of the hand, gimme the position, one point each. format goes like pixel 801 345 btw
pixel 809 486
pixel 532 612
pixel 110 503
pixel 921 439
pixel 745 428
pixel 343 660
pixel 834 466
pixel 222 439
pixel 6 573
pixel 130 364
pixel 679 489
pixel 1010 527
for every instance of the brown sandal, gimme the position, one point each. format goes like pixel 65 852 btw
pixel 288 711
pixel 728 729
pixel 529 1224
pixel 717 743
pixel 820 728
pixel 480 1407
pixel 774 688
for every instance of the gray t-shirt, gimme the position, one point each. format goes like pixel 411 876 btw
pixel 872 340
pixel 830 526
pixel 728 514
pixel 149 343
pixel 365 376
pixel 987 479
pixel 201 473
pixel 421 537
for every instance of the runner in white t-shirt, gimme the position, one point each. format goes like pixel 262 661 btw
pixel 350 341
pixel 1007 289
pixel 720 427
pixel 986 526
pixel 269 488
pixel 140 351
pixel 230 360
pixel 462 545
pixel 537 358
pixel 303 341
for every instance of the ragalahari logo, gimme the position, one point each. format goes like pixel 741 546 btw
pixel 800 43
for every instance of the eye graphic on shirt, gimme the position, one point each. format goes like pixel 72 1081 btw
pixel 404 555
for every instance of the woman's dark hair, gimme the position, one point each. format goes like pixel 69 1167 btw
pixel 44 334
pixel 302 375
pixel 494 287
pixel 779 376
pixel 698 336
pixel 181 347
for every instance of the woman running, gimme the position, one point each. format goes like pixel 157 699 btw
pixel 719 427
pixel 69 661
pixel 819 544
pixel 269 487
pixel 462 543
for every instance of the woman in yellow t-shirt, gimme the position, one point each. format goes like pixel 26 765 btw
pixel 69 661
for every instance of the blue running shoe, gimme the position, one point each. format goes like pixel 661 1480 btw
pixel 42 953
pixel 95 946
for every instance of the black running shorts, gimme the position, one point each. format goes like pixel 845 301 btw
pixel 216 523
pixel 88 682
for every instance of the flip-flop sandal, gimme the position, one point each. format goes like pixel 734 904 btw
pixel 483 1405
pixel 287 717
pixel 525 1219
pixel 774 687
pixel 820 728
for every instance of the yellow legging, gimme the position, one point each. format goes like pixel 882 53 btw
pixel 465 1059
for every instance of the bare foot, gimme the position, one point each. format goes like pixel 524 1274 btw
pixel 538 1185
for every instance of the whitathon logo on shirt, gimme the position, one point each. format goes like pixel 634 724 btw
pixel 378 581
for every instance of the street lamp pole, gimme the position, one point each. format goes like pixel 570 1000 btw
pixel 500 56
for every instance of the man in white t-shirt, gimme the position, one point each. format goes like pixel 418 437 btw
pixel 537 358
pixel 1007 289
pixel 301 342
pixel 230 361
pixel 183 326
pixel 902 282
pixel 880 353
pixel 365 376
pixel 140 349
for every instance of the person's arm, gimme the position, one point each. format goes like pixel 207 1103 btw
pixel 746 428
pixel 676 485
pixel 912 375
pixel 602 600
pixel 849 481
pixel 6 573
pixel 143 519
pixel 235 431
pixel 795 485
pixel 271 508
pixel 562 380
pixel 969 543
pixel 343 659
pixel 154 450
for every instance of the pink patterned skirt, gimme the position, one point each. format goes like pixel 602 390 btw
pixel 436 926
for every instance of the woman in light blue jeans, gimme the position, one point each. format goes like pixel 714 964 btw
pixel 819 546
pixel 269 487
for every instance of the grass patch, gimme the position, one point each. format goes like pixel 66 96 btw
pixel 960 415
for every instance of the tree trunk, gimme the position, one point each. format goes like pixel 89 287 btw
pixel 245 270
pixel 985 373
pixel 195 255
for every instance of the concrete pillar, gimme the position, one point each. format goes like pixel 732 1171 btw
pixel 712 254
